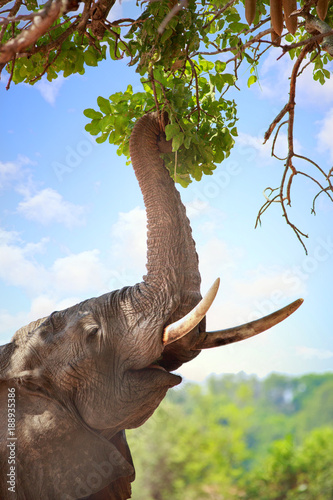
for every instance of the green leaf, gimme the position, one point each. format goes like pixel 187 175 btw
pixel 91 113
pixel 171 130
pixel 93 127
pixel 236 27
pixel 251 80
pixel 206 65
pixel 326 73
pixel 218 81
pixel 177 141
pixel 102 138
pixel 229 79
pixel 187 141
pixel 220 66
pixel 31 4
pixel 106 122
pixel 104 105
pixel 249 59
pixel 166 35
pixel 90 58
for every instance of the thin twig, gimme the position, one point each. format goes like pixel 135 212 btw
pixel 312 39
pixel 219 12
pixel 276 120
pixel 194 72
pixel 154 89
pixel 317 195
pixel 11 74
pixel 46 67
pixel 275 139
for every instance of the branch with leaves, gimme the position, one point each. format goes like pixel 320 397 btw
pixel 189 56
pixel 40 24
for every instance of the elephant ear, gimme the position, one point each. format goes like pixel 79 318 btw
pixel 20 337
pixel 6 352
pixel 121 488
pixel 71 461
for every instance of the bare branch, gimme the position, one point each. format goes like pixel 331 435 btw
pixel 275 139
pixel 11 74
pixel 324 190
pixel 276 120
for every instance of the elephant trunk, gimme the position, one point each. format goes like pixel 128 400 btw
pixel 171 249
pixel 172 261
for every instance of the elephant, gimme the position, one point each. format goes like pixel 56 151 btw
pixel 73 382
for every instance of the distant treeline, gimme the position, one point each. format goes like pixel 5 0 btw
pixel 239 437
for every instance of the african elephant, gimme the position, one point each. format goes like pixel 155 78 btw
pixel 71 383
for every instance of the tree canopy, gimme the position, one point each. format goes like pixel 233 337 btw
pixel 254 439
pixel 189 56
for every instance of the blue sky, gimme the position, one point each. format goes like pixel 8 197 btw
pixel 72 221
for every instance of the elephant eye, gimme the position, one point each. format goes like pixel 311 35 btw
pixel 92 333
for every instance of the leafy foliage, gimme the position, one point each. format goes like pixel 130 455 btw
pixel 238 437
pixel 189 56
pixel 296 472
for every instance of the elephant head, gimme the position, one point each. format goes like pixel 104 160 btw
pixel 82 376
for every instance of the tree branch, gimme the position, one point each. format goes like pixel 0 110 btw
pixel 41 22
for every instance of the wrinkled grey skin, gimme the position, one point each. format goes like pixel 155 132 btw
pixel 83 375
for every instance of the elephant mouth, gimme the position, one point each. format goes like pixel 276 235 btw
pixel 156 366
pixel 157 372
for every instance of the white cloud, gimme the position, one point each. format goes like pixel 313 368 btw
pixel 72 278
pixel 251 356
pixel 274 82
pixel 117 11
pixel 18 270
pixel 7 236
pixel 215 258
pixel 262 281
pixel 9 323
pixel 264 151
pixel 41 306
pixel 13 171
pixel 48 206
pixel 310 91
pixel 130 239
pixel 313 353
pixel 8 170
pixel 50 90
pixel 325 134
pixel 79 273
pixel 274 76
pixel 197 207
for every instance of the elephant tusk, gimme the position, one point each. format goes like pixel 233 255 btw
pixel 242 332
pixel 179 328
